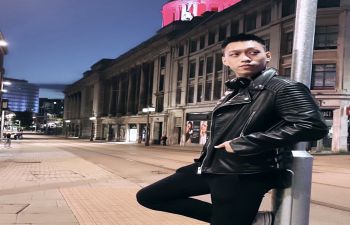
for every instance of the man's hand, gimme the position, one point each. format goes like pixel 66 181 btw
pixel 226 145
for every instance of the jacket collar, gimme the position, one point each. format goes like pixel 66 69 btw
pixel 251 92
pixel 260 81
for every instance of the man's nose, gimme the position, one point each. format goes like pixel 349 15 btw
pixel 245 58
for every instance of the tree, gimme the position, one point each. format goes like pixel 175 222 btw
pixel 25 117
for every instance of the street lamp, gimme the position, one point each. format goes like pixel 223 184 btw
pixel 4 104
pixel 148 110
pixel 92 119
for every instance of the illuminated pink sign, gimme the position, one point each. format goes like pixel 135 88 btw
pixel 187 9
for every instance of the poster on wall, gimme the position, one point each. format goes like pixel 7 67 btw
pixel 196 132
pixel 203 133
pixel 189 132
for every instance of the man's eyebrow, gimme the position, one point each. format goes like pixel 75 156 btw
pixel 241 50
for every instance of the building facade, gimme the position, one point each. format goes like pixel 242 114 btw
pixel 22 96
pixel 179 72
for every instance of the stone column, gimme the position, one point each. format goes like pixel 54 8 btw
pixel 340 130
pixel 143 93
pixel 120 102
pixel 129 104
pixel 112 98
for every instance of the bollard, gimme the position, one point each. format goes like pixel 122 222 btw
pixel 291 206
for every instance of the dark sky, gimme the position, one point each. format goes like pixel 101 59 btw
pixel 55 41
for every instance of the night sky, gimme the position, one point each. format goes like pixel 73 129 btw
pixel 55 41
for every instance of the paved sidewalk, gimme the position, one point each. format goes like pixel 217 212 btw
pixel 54 187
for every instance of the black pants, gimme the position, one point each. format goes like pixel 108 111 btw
pixel 235 198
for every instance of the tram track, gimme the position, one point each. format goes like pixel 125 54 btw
pixel 170 169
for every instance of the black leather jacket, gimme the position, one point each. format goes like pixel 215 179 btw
pixel 262 122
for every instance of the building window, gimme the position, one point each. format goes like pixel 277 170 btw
pixel 181 50
pixel 250 22
pixel 287 72
pixel 211 37
pixel 199 92
pixel 234 28
pixel 222 32
pixel 161 83
pixel 192 70
pixel 208 88
pixel 326 37
pixel 323 76
pixel 178 95
pixel 328 3
pixel 180 72
pixel 288 48
pixel 201 67
pixel 162 62
pixel 193 46
pixel 288 7
pixel 218 62
pixel 202 42
pixel 160 103
pixel 267 42
pixel 266 16
pixel 190 94
pixel 209 68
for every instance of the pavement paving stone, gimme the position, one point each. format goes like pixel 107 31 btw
pixel 105 205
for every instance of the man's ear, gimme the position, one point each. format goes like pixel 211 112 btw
pixel 224 61
pixel 268 56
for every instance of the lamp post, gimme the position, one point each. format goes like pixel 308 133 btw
pixel 4 104
pixel 148 110
pixel 92 119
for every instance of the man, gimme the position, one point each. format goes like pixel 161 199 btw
pixel 253 128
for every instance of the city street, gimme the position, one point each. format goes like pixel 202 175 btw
pixel 57 181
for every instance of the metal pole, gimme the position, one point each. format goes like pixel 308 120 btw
pixel 2 123
pixel 148 130
pixel 303 43
pixel 292 205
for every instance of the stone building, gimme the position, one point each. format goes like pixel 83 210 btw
pixel 179 72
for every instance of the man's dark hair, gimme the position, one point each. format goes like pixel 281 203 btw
pixel 242 37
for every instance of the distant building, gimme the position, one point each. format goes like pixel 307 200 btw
pixel 53 106
pixel 22 96
pixel 179 72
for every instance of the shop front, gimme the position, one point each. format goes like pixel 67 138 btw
pixel 197 128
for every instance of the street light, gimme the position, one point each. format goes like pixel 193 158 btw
pixel 4 105
pixel 148 110
pixel 92 127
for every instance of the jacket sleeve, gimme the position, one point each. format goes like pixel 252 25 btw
pixel 301 120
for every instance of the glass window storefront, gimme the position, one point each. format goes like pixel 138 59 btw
pixel 197 128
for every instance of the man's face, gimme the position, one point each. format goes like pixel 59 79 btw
pixel 246 58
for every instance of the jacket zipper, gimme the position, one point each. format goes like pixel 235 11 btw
pixel 247 123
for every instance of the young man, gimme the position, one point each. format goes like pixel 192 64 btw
pixel 253 128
